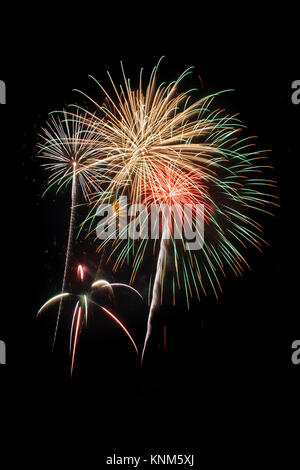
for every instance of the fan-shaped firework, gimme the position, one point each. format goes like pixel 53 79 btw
pixel 80 312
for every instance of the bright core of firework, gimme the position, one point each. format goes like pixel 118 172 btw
pixel 72 150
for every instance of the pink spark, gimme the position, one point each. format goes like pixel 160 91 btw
pixel 80 271
pixel 122 326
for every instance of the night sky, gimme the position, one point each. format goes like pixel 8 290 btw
pixel 228 363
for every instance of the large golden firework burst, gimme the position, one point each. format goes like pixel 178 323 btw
pixel 148 131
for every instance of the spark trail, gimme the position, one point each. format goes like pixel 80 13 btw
pixel 157 287
pixel 68 251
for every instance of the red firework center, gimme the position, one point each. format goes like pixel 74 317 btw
pixel 176 189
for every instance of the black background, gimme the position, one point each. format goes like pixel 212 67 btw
pixel 227 379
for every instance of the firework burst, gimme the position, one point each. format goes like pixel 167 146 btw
pixel 81 310
pixel 162 145
pixel 157 145
pixel 72 151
